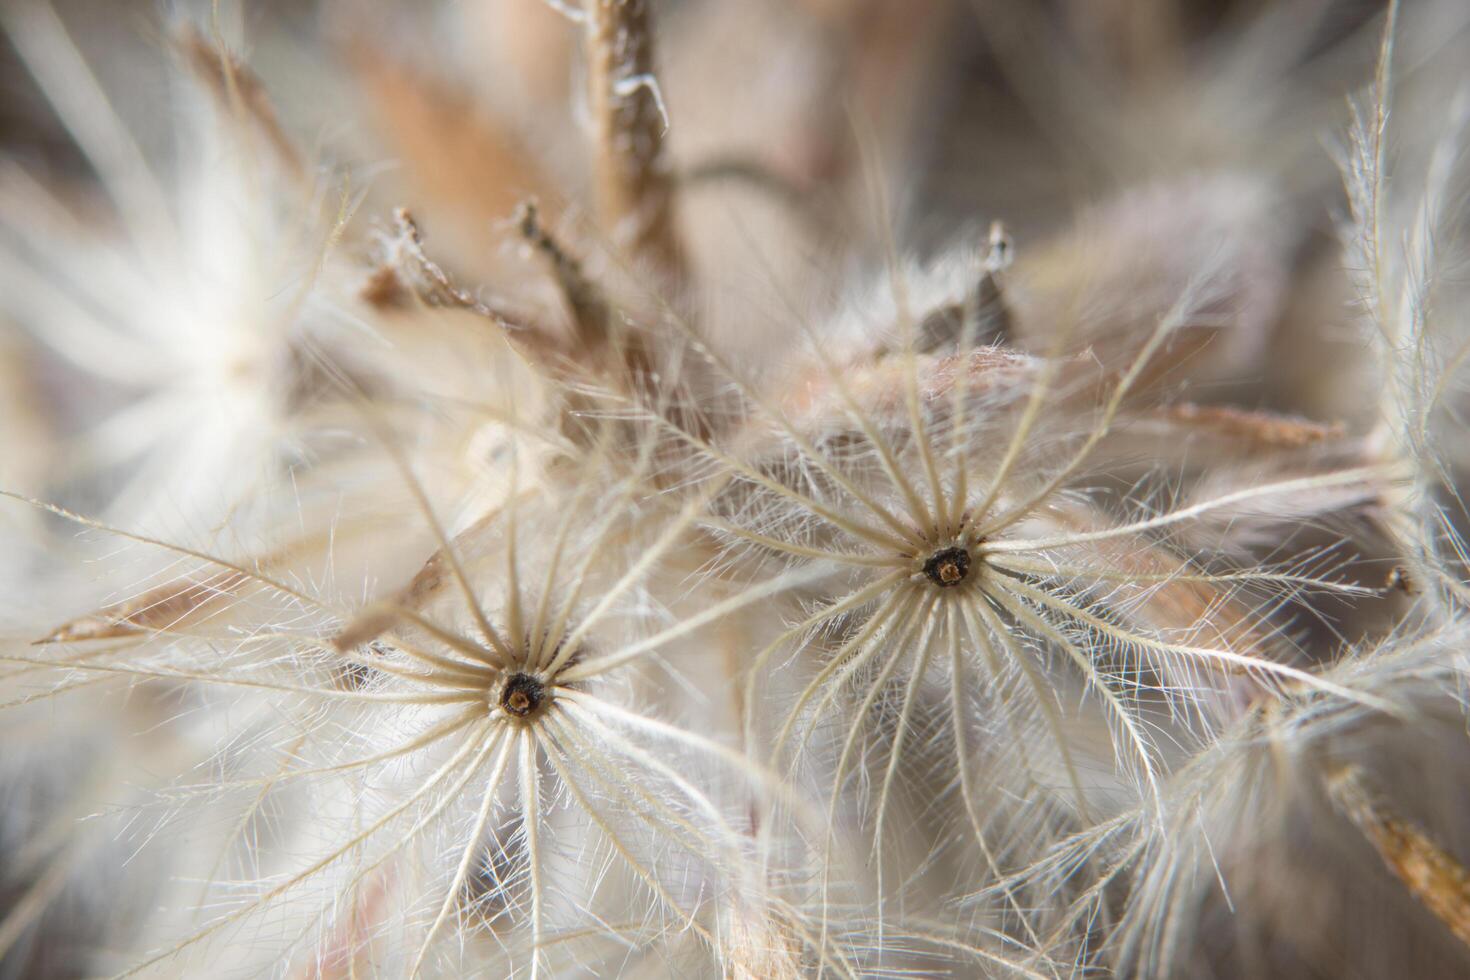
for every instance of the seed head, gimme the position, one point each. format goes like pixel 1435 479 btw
pixel 522 696
pixel 948 568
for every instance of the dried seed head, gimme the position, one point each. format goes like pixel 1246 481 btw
pixel 522 696
pixel 948 568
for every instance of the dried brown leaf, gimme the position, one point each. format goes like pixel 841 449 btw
pixel 469 169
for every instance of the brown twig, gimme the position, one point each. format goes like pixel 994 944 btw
pixel 589 307
pixel 1431 875
pixel 635 183
pixel 407 270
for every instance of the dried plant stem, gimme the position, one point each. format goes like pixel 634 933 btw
pixel 635 184
pixel 1430 874
pixel 161 608
pixel 591 313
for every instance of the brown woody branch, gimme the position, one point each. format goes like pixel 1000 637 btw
pixel 635 182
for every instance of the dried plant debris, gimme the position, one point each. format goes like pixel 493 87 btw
pixel 674 488
pixel 1433 876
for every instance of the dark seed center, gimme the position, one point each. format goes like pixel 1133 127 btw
pixel 948 568
pixel 522 695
